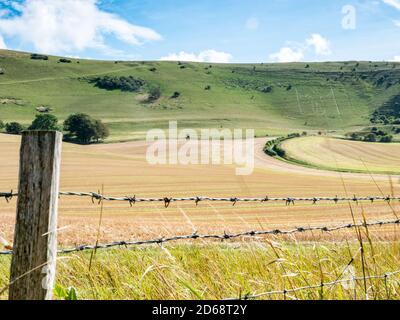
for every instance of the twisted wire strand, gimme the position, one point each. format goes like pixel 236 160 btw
pixel 197 199
pixel 222 237
pixel 317 286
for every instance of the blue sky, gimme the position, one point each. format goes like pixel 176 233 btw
pixel 205 30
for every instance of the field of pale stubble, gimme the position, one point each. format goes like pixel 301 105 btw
pixel 121 169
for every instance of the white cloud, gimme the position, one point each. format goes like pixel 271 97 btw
pixel 396 23
pixel 321 45
pixel 252 23
pixel 2 43
pixel 396 59
pixel 287 54
pixel 57 27
pixel 204 56
pixel 393 3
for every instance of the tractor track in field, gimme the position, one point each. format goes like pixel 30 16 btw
pixel 64 78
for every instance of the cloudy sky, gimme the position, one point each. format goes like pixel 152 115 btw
pixel 204 30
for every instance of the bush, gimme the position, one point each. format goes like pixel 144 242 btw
pixel 154 93
pixel 14 128
pixel 175 95
pixel 101 130
pixel 386 139
pixel 153 69
pixel 267 89
pixel 2 125
pixel 208 87
pixel 36 56
pixel 83 129
pixel 370 137
pixel 45 122
pixel 63 60
pixel 129 84
pixel 1 71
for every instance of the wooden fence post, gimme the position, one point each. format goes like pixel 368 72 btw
pixel 35 239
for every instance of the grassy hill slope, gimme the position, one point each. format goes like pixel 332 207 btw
pixel 271 98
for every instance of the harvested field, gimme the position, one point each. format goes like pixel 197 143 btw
pixel 338 154
pixel 123 171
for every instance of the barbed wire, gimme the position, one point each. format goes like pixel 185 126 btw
pixel 222 237
pixel 317 286
pixel 96 196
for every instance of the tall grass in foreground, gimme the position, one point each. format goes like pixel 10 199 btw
pixel 217 271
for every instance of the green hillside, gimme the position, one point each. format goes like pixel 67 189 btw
pixel 271 98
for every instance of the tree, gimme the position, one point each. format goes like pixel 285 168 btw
pixel 80 127
pixel 83 128
pixel 14 128
pixel 371 137
pixel 386 139
pixel 45 122
pixel 101 130
pixel 154 93
pixel 2 125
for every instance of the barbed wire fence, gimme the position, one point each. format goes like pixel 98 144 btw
pixel 322 285
pixel 96 196
pixel 35 235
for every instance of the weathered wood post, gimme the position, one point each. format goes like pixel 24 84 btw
pixel 35 239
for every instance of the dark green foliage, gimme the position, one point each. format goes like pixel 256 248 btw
pixel 175 95
pixel 267 89
pixel 14 128
pixel 82 128
pixel 45 122
pixel 389 112
pixel 63 60
pixel 207 87
pixel 129 84
pixel 386 138
pixel 101 130
pixel 154 93
pixel 153 69
pixel 1 71
pixel 2 125
pixel 36 56
pixel 373 134
pixel 370 137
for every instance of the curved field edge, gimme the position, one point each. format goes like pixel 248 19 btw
pixel 215 271
pixel 273 146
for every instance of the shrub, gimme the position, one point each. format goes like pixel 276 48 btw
pixel 175 95
pixel 36 56
pixel 1 71
pixel 267 89
pixel 370 137
pixel 154 93
pixel 2 125
pixel 153 69
pixel 101 130
pixel 130 84
pixel 45 122
pixel 63 60
pixel 14 128
pixel 386 139
pixel 208 87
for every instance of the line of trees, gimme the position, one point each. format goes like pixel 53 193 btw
pixel 79 127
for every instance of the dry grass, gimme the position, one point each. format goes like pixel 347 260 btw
pixel 218 271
